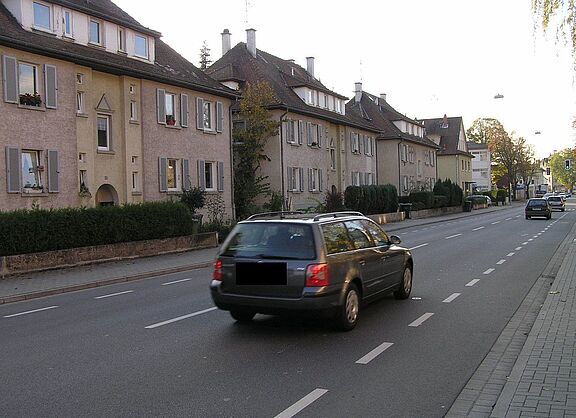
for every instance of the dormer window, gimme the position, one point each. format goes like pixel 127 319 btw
pixel 141 46
pixel 95 35
pixel 121 40
pixel 67 20
pixel 42 18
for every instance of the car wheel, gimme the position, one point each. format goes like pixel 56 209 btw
pixel 527 217
pixel 405 286
pixel 242 315
pixel 549 217
pixel 563 209
pixel 347 315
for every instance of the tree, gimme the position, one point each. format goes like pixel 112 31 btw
pixel 560 14
pixel 558 167
pixel 253 127
pixel 482 129
pixel 205 60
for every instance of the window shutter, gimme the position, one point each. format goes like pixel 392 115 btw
pixel 10 81
pixel 219 117
pixel 184 110
pixel 320 135
pixel 201 174
pixel 320 181
pixel 200 113
pixel 220 176
pixel 301 129
pixel 186 181
pixel 309 135
pixel 301 175
pixel 51 82
pixel 310 174
pixel 162 174
pixel 53 172
pixel 285 130
pixel 13 169
pixel 161 105
pixel 352 142
pixel 290 179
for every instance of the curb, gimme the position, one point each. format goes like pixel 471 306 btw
pixel 99 283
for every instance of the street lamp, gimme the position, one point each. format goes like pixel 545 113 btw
pixel 499 96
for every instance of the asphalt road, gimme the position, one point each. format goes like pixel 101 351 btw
pixel 158 347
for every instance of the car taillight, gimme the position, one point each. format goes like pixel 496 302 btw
pixel 317 275
pixel 217 271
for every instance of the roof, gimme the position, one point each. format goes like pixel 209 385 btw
pixel 169 66
pixel 382 115
pixel 283 76
pixel 107 10
pixel 476 146
pixel 449 135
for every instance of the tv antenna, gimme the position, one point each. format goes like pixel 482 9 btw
pixel 247 8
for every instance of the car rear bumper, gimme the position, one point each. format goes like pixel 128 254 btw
pixel 313 299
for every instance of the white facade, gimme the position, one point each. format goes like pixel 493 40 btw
pixel 481 167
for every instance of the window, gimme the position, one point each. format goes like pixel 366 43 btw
pixel 132 89
pixel 135 181
pixel 95 34
pixel 28 82
pixel 103 125
pixel 173 175
pixel 80 100
pixel 133 111
pixel 295 179
pixel 336 238
pixel 355 142
pixel 42 16
pixel 378 236
pixel 405 183
pixel 79 78
pixel 170 109
pixel 82 157
pixel 314 180
pixel 359 235
pixel 403 152
pixel 68 23
pixel 369 146
pixel 134 159
pixel 207 116
pixel 325 101
pixel 210 176
pixel 369 179
pixel 31 171
pixel 83 180
pixel 355 178
pixel 332 155
pixel 121 40
pixel 292 131
pixel 141 46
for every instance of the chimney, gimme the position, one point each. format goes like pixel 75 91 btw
pixel 310 65
pixel 226 41
pixel 383 96
pixel 357 92
pixel 251 41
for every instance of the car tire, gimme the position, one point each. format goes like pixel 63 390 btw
pixel 347 315
pixel 549 217
pixel 405 286
pixel 242 315
pixel 527 217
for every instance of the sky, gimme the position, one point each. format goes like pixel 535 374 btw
pixel 430 58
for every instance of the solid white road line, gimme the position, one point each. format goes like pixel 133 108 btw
pixel 517 248
pixel 29 312
pixel 472 282
pixel 451 297
pixel 479 228
pixel 510 254
pixel 501 262
pixel 374 353
pixel 301 404
pixel 176 281
pixel 453 236
pixel 113 294
pixel 421 320
pixel 418 246
pixel 180 318
pixel 489 271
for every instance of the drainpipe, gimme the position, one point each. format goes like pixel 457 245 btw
pixel 231 160
pixel 399 165
pixel 282 118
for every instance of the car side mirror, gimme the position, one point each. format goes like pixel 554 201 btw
pixel 395 240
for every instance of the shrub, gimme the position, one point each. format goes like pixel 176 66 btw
pixel 38 230
pixel 371 199
pixel 440 201
pixel 501 195
pixel 193 198
pixel 426 198
pixel 333 201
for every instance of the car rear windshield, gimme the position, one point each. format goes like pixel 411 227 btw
pixel 537 203
pixel 555 199
pixel 271 241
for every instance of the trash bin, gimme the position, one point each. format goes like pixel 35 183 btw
pixel 406 208
pixel 467 206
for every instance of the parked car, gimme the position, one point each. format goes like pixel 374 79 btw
pixel 538 207
pixel 283 262
pixel 479 199
pixel 557 203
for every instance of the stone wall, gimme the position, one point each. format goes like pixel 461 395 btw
pixel 27 263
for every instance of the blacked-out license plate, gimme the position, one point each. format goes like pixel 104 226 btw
pixel 261 274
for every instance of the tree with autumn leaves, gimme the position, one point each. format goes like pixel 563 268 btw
pixel 567 177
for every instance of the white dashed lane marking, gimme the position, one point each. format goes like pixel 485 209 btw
pixel 302 403
pixel 488 271
pixel 451 297
pixel 517 248
pixel 418 246
pixel 374 353
pixel 479 228
pixel 114 294
pixel 501 262
pixel 180 318
pixel 510 254
pixel 421 320
pixel 453 236
pixel 472 282
pixel 30 312
pixel 176 281
pixel 494 223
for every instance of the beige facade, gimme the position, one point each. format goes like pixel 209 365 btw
pixel 457 168
pixel 38 148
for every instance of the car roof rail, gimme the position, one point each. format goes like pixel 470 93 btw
pixel 336 215
pixel 280 214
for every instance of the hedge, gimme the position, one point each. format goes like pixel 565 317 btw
pixel 38 230
pixel 371 199
pixel 451 190
pixel 422 200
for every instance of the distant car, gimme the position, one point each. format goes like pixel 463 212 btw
pixel 479 199
pixel 547 195
pixel 557 203
pixel 538 207
pixel 330 263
